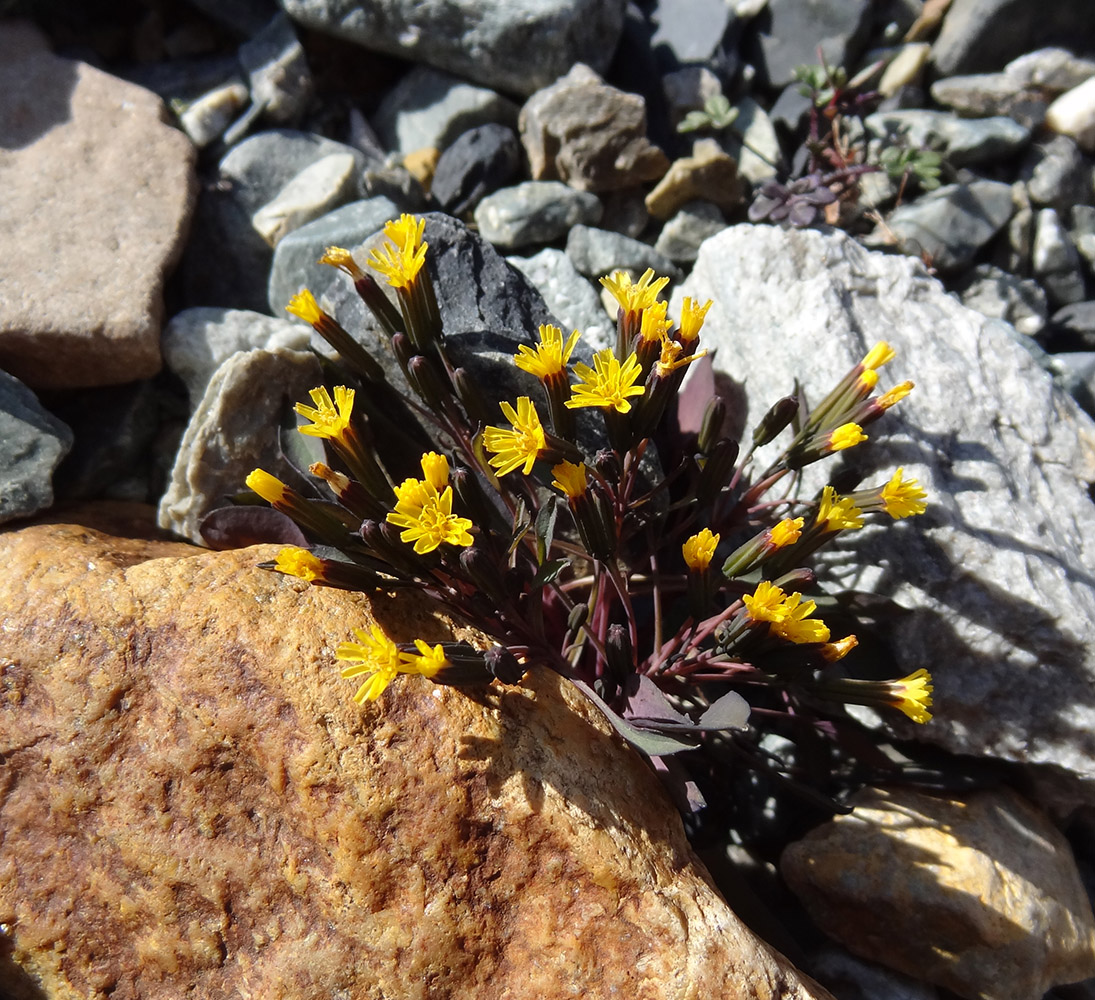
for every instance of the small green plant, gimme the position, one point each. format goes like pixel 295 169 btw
pixel 904 163
pixel 717 114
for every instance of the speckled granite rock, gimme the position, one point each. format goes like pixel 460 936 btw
pixel 193 804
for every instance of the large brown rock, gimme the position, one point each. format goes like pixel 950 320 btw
pixel 190 803
pixel 97 194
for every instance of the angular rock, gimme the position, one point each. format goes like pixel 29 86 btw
pixel 1055 260
pixel 996 575
pixel 97 196
pixel 1074 371
pixel 479 162
pixel 430 108
pixel 1083 234
pixel 589 134
pixel 949 224
pixel 1057 174
pixel 534 212
pixel 1054 69
pixel 281 82
pixel 690 30
pixel 981 896
pixel 32 444
pixel 192 787
pixel 597 252
pixel 316 190
pixel 689 89
pixel 512 47
pixel 206 119
pixel 962 141
pixel 754 143
pixel 682 236
pixel 851 978
pixel 995 293
pixel 234 430
pixel 296 258
pixel 1073 114
pixel 906 68
pixel 709 174
pixel 981 95
pixel 1073 327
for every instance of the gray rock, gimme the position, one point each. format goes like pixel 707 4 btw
pixel 534 212
pixel 392 180
pixel 997 576
pixel 480 161
pixel 316 190
pixel 1072 328
pixel 296 259
pixel 1073 113
pixel 1083 233
pixel 789 33
pixel 568 295
pixel 32 443
pixel 691 30
pixel 281 82
pixel 1055 260
pixel 753 142
pixel 589 134
pixel 682 235
pixel 597 252
pixel 981 95
pixel 512 47
pixel 851 978
pixel 206 119
pixel 949 224
pixel 688 89
pixel 997 294
pixel 234 430
pixel 430 109
pixel 962 141
pixel 1053 69
pixel 1056 173
pixel 1075 373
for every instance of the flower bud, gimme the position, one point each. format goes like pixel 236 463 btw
pixel 775 420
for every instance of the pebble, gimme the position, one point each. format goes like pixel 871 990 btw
pixel 589 134
pixel 1073 113
pixel 961 141
pixel 981 95
pixel 277 68
pixel 479 162
pixel 315 191
pixel 1056 173
pixel 32 443
pixel 997 294
pixel 1053 69
pixel 906 67
pixel 1055 260
pixel 753 142
pixel 1072 327
pixel 534 212
pixel 430 108
pixel 1083 234
pixel 97 197
pixel 709 174
pixel 688 89
pixel 684 232
pixel 598 252
pixel 206 119
pixel 691 30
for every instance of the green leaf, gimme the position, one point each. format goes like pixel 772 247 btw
pixel 548 572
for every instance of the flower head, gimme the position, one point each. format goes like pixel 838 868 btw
pixel 836 513
pixel 330 418
pixel 699 550
pixel 654 326
pixel 670 359
pixel 692 317
pixel 435 468
pixel 343 260
pixel 878 355
pixel 895 395
pixel 785 533
pixel 374 655
pixel 427 661
pixel 846 436
pixel 423 509
pixel 270 488
pixel 570 479
pixel 608 383
pixel 903 497
pixel 765 604
pixel 838 649
pixel 401 259
pixel 634 296
pixel 913 695
pixel 550 358
pixel 519 446
pixel 304 305
pixel 795 626
pixel 299 563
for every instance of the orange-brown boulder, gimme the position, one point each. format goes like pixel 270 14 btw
pixel 191 804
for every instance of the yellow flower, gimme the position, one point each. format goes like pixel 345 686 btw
pixel 868 379
pixel 375 655
pixel 654 325
pixel 765 604
pixel 903 497
pixel 846 436
pixel 699 550
pixel 607 383
pixel 519 446
pixel 878 355
pixel 895 395
pixel 785 533
pixel 833 651
pixel 692 317
pixel 913 695
pixel 838 513
pixel 427 661
pixel 551 357
pixel 570 479
pixel 435 468
pixel 670 358
pixel 424 509
pixel 304 305
pixel 795 626
pixel 343 260
pixel 329 418
pixel 401 259
pixel 634 297
pixel 270 488
pixel 300 563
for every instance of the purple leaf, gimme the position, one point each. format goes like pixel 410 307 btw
pixel 237 527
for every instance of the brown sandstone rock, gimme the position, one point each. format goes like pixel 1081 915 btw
pixel 97 193
pixel 191 804
pixel 981 896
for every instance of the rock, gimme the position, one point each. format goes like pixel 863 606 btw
pixel 754 143
pixel 1054 70
pixel 788 33
pixel 1083 233
pixel 431 108
pixel 296 258
pixel 315 191
pixel 906 67
pixel 1055 261
pixel 513 48
pixel 709 174
pixel 690 30
pixel 84 262
pixel 1073 327
pixel 980 36
pixel 392 180
pixel 980 896
pixel 688 89
pixel 1073 114
pixel 479 162
pixel 997 294
pixel 1075 373
pixel 682 235
pixel 850 978
pixel 206 119
pixel 534 212
pixel 568 295
pixel 982 95
pixel 32 444
pixel 197 341
pixel 589 134
pixel 234 430
pixel 961 141
pixel 281 82
pixel 1056 173
pixel 191 785
pixel 994 579
pixel 949 224
pixel 597 252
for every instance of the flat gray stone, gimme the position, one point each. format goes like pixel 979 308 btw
pixel 599 252
pixel 316 190
pixel 997 577
pixel 962 141
pixel 534 212
pixel 998 294
pixel 682 236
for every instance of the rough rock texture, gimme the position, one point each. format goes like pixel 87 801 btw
pixel 482 41
pixel 997 575
pixel 193 804
pixel 981 896
pixel 81 282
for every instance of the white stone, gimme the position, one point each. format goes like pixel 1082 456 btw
pixel 325 185
pixel 1073 113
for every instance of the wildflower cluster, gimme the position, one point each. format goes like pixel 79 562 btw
pixel 665 572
